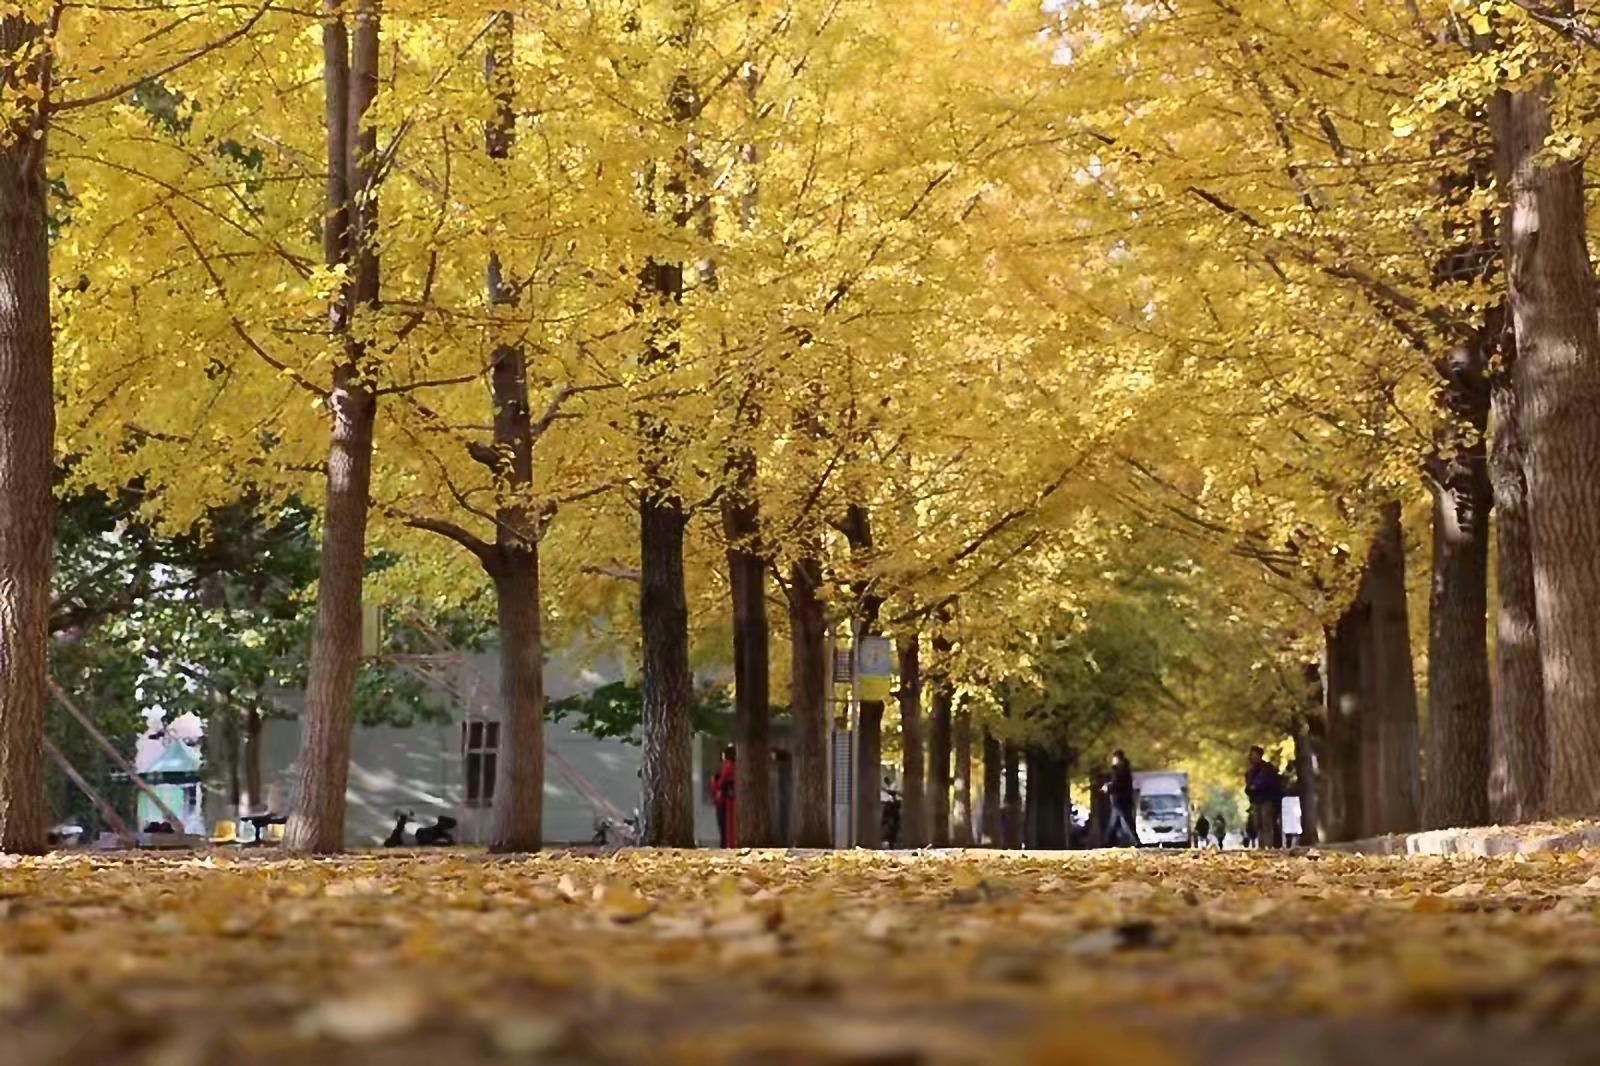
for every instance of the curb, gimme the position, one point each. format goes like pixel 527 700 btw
pixel 1476 843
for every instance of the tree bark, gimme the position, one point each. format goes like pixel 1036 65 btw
pixel 913 760
pixel 869 732
pixel 808 706
pixel 869 775
pixel 666 685
pixel 752 714
pixel 27 443
pixel 1552 298
pixel 939 738
pixel 961 809
pixel 1457 786
pixel 1047 799
pixel 519 792
pixel 1519 753
pixel 1011 811
pixel 252 757
pixel 513 565
pixel 351 77
pixel 1345 710
pixel 1392 745
pixel 1306 767
pixel 993 769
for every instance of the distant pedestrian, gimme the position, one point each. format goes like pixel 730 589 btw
pixel 1220 827
pixel 1263 787
pixel 722 797
pixel 1202 832
pixel 1121 832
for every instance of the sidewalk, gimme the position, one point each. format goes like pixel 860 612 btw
pixel 1484 842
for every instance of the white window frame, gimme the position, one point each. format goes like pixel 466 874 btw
pixel 485 749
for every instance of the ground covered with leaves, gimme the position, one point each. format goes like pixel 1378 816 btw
pixel 1110 959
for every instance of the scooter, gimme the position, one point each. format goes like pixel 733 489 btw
pixel 397 839
pixel 890 821
pixel 439 835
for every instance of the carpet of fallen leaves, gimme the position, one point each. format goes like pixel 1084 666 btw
pixel 1107 959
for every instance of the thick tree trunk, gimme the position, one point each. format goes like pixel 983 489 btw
pixel 869 775
pixel 939 739
pixel 1519 753
pixel 1558 388
pixel 27 450
pixel 1309 745
pixel 1011 810
pixel 1457 792
pixel 1310 753
pixel 514 563
pixel 666 685
pixel 961 808
pixel 1345 709
pixel 993 789
pixel 1395 778
pixel 253 789
pixel 519 793
pixel 752 714
pixel 808 706
pixel 869 725
pixel 1047 799
pixel 913 760
pixel 317 823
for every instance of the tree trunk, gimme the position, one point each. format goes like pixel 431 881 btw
pixel 913 760
pixel 27 444
pixel 1309 744
pixel 869 775
pixel 1519 755
pixel 514 563
pixel 519 792
pixel 1395 780
pixel 808 706
pixel 1344 707
pixel 939 764
pixel 666 685
pixel 350 239
pixel 252 757
pixel 869 732
pixel 752 714
pixel 1552 301
pixel 1011 811
pixel 993 769
pixel 961 811
pixel 1457 792
pixel 1047 799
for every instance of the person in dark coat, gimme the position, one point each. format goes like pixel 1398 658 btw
pixel 1220 827
pixel 1263 787
pixel 1121 831
pixel 1202 832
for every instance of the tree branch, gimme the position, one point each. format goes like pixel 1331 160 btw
pixel 117 92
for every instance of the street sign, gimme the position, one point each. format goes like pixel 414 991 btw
pixel 877 657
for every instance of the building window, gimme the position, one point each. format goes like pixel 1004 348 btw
pixel 480 748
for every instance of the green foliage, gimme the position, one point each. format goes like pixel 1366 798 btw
pixel 615 711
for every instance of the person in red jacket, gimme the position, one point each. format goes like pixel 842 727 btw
pixel 722 797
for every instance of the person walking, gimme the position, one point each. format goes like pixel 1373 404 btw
pixel 1220 827
pixel 1263 787
pixel 1121 831
pixel 722 797
pixel 1202 833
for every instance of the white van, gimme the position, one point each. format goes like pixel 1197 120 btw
pixel 1162 808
